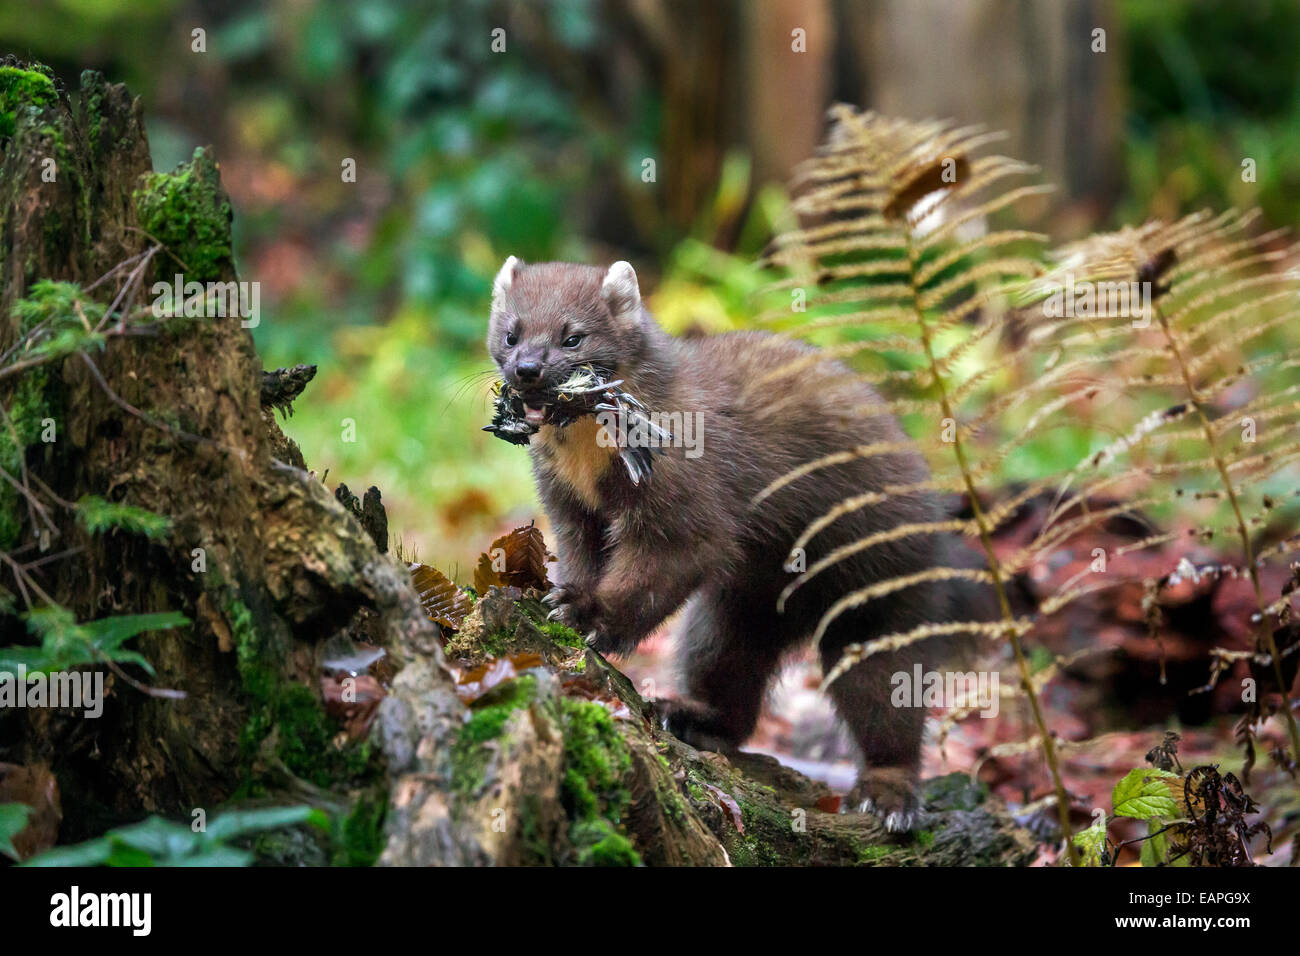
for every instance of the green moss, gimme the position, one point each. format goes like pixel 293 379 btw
pixel 924 838
pixel 496 644
pixel 873 854
pixel 562 635
pixel 670 798
pixel 752 848
pixel 536 848
pixel 954 791
pixel 188 212
pixel 23 89
pixel 307 739
pixel 470 753
pixel 502 642
pixel 258 679
pixel 602 845
pixel 306 733
pixel 751 851
pixel 362 838
pixel 92 102
pixel 25 412
pixel 596 763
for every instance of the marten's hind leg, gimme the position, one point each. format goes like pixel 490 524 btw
pixel 889 737
pixel 726 658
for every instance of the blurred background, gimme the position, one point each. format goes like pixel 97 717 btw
pixel 654 130
pixel 661 131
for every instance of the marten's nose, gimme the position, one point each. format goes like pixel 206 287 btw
pixel 529 371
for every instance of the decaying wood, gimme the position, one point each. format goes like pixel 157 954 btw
pixel 683 806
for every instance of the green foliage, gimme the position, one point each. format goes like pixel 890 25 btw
pixel 13 817
pixel 1196 113
pixel 56 319
pixel 1091 844
pixel 62 306
pixel 97 516
pixel 1147 794
pixel 66 645
pixel 1154 850
pixel 159 842
pixel 419 409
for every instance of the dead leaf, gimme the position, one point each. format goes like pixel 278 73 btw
pixel 365 693
pixel 474 682
pixel 444 603
pixel 517 559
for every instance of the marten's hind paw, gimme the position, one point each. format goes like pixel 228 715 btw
pixel 890 794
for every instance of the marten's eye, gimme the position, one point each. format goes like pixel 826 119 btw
pixel 573 340
pixel 511 339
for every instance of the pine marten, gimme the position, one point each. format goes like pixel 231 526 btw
pixel 632 552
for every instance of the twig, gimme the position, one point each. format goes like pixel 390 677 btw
pixel 131 409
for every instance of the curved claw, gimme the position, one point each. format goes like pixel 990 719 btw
pixel 591 639
pixel 900 821
pixel 556 614
pixel 553 597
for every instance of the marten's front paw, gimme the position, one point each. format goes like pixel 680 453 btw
pixel 890 793
pixel 608 640
pixel 571 607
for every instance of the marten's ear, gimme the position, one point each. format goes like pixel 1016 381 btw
pixel 505 278
pixel 620 290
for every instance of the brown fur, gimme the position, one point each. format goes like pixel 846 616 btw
pixel 631 555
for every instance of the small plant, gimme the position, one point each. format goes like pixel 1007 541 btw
pixel 159 842
pixel 98 516
pixel 13 818
pixel 1197 819
pixel 66 645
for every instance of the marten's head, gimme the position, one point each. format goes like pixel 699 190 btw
pixel 551 318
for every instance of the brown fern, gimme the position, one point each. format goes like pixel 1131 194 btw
pixel 898 262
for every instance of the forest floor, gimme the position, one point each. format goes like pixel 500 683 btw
pixel 1111 703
